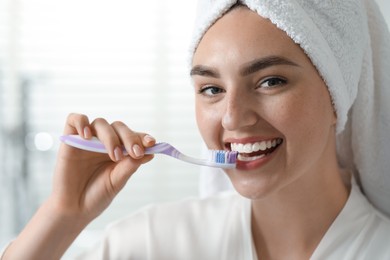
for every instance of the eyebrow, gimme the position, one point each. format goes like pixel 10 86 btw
pixel 251 67
pixel 201 70
pixel 262 63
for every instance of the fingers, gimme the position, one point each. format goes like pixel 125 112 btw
pixel 134 142
pixel 114 136
pixel 107 135
pixel 78 124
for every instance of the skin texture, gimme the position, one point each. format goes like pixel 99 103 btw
pixel 253 83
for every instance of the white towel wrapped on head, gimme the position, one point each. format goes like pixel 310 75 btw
pixel 349 43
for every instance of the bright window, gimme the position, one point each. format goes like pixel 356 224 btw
pixel 118 59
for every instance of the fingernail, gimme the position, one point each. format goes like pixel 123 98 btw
pixel 87 132
pixel 149 138
pixel 137 150
pixel 118 154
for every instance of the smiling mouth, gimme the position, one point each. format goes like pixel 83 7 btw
pixel 252 151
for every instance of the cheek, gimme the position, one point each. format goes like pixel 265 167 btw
pixel 306 120
pixel 307 111
pixel 208 121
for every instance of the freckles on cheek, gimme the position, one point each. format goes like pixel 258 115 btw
pixel 308 116
pixel 291 116
pixel 285 113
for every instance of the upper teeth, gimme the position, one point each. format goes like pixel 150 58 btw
pixel 255 147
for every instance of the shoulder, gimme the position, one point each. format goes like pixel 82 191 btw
pixel 370 240
pixel 359 232
pixel 376 236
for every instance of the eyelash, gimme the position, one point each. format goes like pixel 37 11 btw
pixel 280 82
pixel 210 87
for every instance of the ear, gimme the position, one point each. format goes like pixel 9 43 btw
pixel 334 118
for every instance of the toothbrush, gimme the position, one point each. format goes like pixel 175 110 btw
pixel 218 158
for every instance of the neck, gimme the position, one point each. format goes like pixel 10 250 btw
pixel 294 219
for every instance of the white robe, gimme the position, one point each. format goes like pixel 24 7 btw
pixel 219 228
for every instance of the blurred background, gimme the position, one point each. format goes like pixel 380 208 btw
pixel 118 59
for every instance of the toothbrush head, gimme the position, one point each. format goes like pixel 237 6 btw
pixel 223 157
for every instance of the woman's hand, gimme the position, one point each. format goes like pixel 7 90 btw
pixel 85 182
pixel 84 185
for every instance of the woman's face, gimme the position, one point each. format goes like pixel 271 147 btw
pixel 259 94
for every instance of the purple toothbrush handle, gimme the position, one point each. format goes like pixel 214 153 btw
pixel 163 148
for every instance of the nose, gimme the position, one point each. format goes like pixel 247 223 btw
pixel 240 112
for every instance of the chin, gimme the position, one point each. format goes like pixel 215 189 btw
pixel 252 188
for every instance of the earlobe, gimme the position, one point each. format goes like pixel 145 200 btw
pixel 334 121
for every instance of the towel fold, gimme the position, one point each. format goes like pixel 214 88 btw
pixel 349 43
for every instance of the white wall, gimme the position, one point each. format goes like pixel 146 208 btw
pixel 384 5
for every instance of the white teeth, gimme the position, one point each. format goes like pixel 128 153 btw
pixel 247 159
pixel 255 147
pixel 239 147
pixel 247 148
pixel 263 146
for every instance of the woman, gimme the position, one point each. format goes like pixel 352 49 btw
pixel 255 85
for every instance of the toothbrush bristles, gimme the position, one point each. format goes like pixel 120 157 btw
pixel 223 157
pixel 232 157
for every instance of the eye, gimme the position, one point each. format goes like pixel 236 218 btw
pixel 210 90
pixel 272 82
